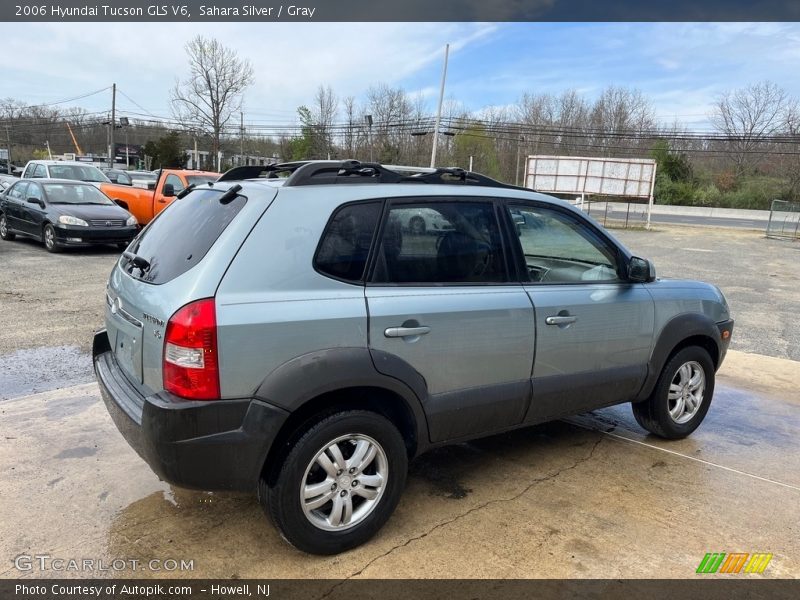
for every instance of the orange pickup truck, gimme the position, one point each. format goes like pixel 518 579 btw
pixel 146 204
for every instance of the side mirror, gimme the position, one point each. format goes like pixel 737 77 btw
pixel 169 190
pixel 33 200
pixel 641 270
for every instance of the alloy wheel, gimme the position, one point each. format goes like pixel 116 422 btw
pixel 344 482
pixel 686 392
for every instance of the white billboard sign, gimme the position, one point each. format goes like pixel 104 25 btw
pixel 632 177
pixel 626 177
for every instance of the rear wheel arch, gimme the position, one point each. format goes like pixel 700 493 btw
pixel 121 203
pixel 316 384
pixel 378 400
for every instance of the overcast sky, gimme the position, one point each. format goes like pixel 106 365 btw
pixel 680 66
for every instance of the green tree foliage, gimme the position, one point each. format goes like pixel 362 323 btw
pixel 167 151
pixel 477 143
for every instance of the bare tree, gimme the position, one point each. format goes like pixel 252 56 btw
pixel 212 93
pixel 326 107
pixel 748 115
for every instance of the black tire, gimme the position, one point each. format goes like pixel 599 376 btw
pixel 4 232
pixel 49 239
pixel 282 500
pixel 653 414
pixel 417 225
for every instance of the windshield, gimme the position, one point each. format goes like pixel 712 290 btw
pixel 68 193
pixel 201 179
pixel 77 172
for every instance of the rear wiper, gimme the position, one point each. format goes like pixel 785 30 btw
pixel 186 191
pixel 137 261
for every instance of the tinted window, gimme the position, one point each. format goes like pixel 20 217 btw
pixel 182 234
pixel 345 244
pixel 34 191
pixel 559 248
pixel 18 190
pixel 441 242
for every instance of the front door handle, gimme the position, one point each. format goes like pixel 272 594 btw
pixel 560 320
pixel 401 332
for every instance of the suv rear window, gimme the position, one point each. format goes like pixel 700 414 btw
pixel 182 235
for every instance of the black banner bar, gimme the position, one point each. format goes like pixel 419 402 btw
pixel 399 10
pixel 710 587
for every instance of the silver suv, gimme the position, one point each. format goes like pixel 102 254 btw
pixel 294 334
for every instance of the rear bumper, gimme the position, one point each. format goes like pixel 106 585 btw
pixel 69 236
pixel 210 445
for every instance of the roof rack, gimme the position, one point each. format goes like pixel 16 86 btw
pixel 273 171
pixel 352 171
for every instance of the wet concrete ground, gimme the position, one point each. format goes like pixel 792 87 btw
pixel 591 496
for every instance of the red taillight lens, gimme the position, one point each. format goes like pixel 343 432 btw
pixel 191 366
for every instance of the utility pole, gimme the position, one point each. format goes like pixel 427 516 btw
pixel 8 143
pixel 439 110
pixel 368 119
pixel 516 171
pixel 47 145
pixel 196 161
pixel 241 136
pixel 113 125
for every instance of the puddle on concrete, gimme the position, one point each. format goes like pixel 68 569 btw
pixel 34 370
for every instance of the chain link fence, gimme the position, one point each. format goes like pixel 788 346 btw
pixel 784 220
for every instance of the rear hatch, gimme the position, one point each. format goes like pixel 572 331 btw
pixel 179 257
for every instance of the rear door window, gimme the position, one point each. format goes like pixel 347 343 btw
pixel 182 235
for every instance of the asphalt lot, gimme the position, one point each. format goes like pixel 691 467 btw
pixel 590 496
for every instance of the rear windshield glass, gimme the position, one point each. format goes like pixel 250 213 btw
pixel 182 235
pixel 77 172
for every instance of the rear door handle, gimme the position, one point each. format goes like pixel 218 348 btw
pixel 560 320
pixel 396 332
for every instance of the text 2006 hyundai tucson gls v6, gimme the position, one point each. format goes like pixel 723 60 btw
pixel 304 335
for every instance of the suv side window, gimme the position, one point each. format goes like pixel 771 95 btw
pixel 344 247
pixel 559 248
pixel 39 172
pixel 442 242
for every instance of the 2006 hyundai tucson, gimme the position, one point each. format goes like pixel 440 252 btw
pixel 293 334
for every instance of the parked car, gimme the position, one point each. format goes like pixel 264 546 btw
pixel 63 169
pixel 61 212
pixel 118 176
pixel 146 204
pixel 6 181
pixel 291 337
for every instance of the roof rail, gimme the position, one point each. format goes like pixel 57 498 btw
pixel 352 171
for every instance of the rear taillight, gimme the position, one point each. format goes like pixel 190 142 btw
pixel 191 366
